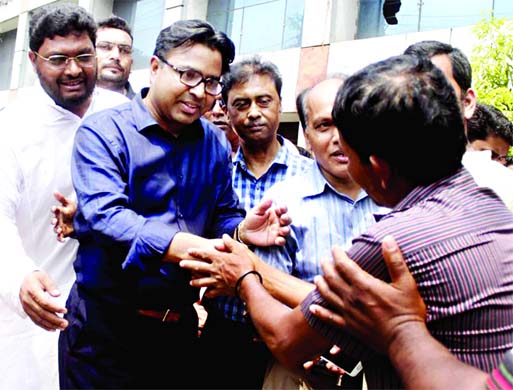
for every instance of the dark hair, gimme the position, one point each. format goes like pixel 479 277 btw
pixel 404 111
pixel 59 19
pixel 114 21
pixel 489 121
pixel 189 32
pixel 243 70
pixel 461 69
pixel 300 106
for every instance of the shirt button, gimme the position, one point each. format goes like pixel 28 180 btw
pixel 180 215
pixel 180 177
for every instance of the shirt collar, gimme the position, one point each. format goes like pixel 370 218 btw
pixel 281 158
pixel 317 184
pixel 420 193
pixel 144 120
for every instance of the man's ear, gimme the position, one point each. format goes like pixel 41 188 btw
pixel 469 103
pixel 381 170
pixel 154 67
pixel 32 58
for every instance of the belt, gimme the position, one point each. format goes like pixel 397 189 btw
pixel 163 315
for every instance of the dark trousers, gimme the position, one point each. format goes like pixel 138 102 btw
pixel 232 358
pixel 104 347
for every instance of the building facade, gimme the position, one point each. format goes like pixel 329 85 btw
pixel 307 39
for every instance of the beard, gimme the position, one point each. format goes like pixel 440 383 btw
pixel 69 101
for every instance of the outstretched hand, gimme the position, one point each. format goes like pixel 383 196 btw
pixel 62 219
pixel 265 225
pixel 368 307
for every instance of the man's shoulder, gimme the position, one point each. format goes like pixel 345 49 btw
pixel 103 99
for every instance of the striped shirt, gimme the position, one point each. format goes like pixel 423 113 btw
pixel 251 191
pixel 502 377
pixel 321 218
pixel 457 239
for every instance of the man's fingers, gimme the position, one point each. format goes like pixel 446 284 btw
pixel 207 281
pixel 327 315
pixel 229 243
pixel 262 207
pixel 327 293
pixel 394 260
pixel 197 266
pixel 60 198
pixel 332 281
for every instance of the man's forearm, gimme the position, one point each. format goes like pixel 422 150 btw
pixel 181 242
pixel 423 363
pixel 284 287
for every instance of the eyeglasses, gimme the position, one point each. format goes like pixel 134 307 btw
pixel 61 60
pixel 193 78
pixel 108 46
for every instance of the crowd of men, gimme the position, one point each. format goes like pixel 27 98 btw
pixel 187 185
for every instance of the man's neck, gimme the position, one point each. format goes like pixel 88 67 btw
pixel 81 109
pixel 260 157
pixel 116 87
pixel 173 129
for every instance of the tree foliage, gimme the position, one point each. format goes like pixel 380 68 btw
pixel 492 63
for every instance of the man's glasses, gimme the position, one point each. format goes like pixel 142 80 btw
pixel 108 46
pixel 61 60
pixel 193 78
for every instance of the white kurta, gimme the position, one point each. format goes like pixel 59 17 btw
pixel 36 140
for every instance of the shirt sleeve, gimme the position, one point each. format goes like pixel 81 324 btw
pixel 366 252
pixel 100 175
pixel 228 212
pixel 15 264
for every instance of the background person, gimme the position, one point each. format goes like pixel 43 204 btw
pixel 36 271
pixel 219 116
pixel 114 42
pixel 489 129
pixel 252 92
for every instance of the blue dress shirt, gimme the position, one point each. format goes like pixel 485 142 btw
pixel 137 186
pixel 251 192
pixel 321 218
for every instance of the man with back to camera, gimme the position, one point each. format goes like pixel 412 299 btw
pixel 114 43
pixel 37 271
pixel 392 114
pixel 152 179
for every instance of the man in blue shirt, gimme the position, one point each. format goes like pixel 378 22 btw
pixel 152 179
pixel 252 92
pixel 327 208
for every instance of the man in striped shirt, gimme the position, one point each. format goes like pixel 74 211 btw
pixel 456 237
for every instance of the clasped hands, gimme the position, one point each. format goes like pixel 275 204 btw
pixel 220 266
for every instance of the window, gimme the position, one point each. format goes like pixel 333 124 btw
pixel 7 43
pixel 259 25
pixel 425 15
pixel 145 19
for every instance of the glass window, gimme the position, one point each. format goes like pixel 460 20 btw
pixel 145 19
pixel 425 15
pixel 259 25
pixel 7 44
